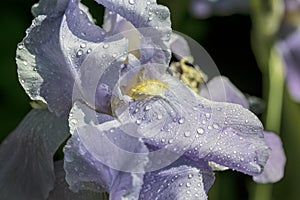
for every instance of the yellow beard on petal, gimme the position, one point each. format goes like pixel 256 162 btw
pixel 148 88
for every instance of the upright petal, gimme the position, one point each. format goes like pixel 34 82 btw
pixel 55 46
pixel 274 169
pixel 151 20
pixel 220 89
pixel 26 156
pixel 179 46
pixel 42 70
pixel 99 74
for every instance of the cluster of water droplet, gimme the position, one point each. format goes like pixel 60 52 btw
pixel 177 183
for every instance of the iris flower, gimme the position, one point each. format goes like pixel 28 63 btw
pixel 133 130
pixel 208 8
pixel 288 45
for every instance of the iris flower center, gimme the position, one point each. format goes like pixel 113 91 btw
pixel 148 88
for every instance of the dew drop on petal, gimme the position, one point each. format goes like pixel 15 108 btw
pixel 20 46
pixel 138 121
pixel 73 121
pixel 159 116
pixel 216 126
pixel 187 134
pixel 131 2
pixel 181 121
pixel 200 130
pixel 147 108
pixel 82 45
pixel 79 53
pixel 89 51
pixel 105 46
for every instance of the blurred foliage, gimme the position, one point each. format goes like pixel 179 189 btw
pixel 227 40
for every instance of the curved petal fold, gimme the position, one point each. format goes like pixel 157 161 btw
pixel 100 156
pixel 274 169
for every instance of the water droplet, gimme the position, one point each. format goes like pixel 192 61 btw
pixel 131 2
pixel 209 127
pixel 200 130
pixel 190 176
pixel 147 108
pixel 150 18
pixel 246 121
pixel 188 184
pixel 207 115
pixel 89 51
pixel 81 150
pixel 216 126
pixel 170 141
pixel 138 121
pixel 187 134
pixel 105 46
pixel 20 46
pixel 82 45
pixel 159 116
pixel 25 63
pixel 73 121
pixel 181 121
pixel 79 53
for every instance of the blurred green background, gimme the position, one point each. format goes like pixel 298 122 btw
pixel 227 40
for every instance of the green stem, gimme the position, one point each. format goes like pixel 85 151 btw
pixel 275 95
pixel 266 17
pixel 273 114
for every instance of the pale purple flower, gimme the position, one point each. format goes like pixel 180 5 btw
pixel 208 8
pixel 136 131
pixel 289 48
